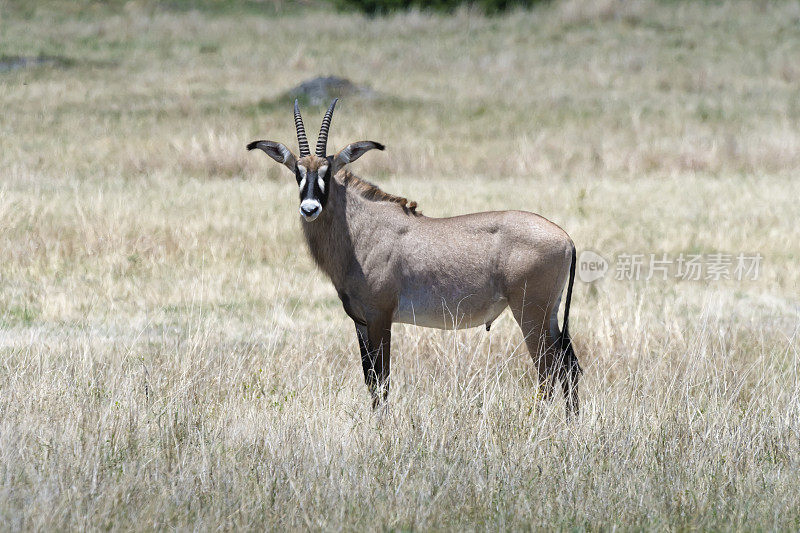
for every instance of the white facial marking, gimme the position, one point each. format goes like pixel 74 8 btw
pixel 302 183
pixel 321 172
pixel 310 209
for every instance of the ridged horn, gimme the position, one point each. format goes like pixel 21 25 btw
pixel 322 140
pixel 302 140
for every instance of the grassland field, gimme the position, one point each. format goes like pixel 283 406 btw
pixel 170 357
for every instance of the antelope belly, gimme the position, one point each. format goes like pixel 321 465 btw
pixel 427 309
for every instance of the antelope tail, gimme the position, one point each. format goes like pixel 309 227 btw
pixel 565 340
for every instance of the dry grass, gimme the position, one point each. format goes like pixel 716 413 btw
pixel 169 356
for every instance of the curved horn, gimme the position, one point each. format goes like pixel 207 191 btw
pixel 302 140
pixel 322 140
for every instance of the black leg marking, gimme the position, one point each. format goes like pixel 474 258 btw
pixel 379 335
pixel 367 364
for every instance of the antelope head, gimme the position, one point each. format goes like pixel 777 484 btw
pixel 314 172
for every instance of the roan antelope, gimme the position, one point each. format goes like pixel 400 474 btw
pixel 389 263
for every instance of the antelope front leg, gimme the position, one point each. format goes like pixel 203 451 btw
pixel 374 341
pixel 370 378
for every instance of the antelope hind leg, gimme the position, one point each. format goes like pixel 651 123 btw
pixel 537 339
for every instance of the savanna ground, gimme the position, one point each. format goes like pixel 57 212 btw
pixel 170 357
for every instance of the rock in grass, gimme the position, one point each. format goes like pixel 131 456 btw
pixel 320 91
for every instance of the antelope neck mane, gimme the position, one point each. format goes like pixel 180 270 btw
pixel 370 191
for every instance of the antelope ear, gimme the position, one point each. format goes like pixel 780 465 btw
pixel 276 151
pixel 353 151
